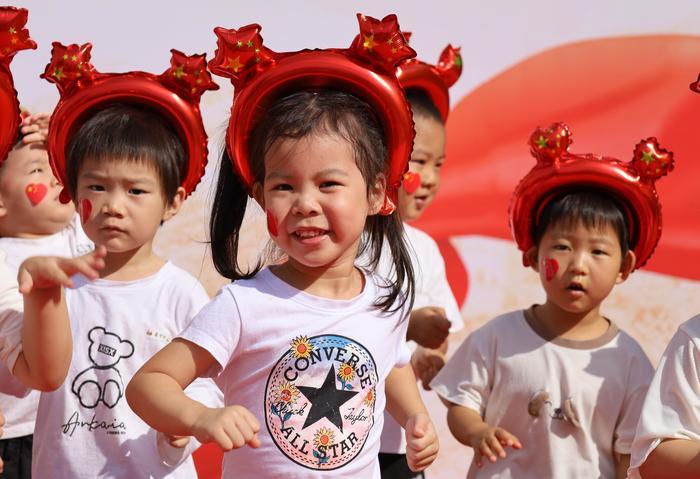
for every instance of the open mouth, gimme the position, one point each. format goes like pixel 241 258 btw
pixel 576 287
pixel 310 234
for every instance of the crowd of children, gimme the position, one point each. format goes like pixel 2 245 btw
pixel 115 363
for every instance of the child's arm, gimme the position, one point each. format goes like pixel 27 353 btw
pixel 406 406
pixel 622 463
pixel 682 456
pixel 469 428
pixel 156 394
pixel 47 346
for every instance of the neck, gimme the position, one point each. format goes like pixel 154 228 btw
pixel 579 325
pixel 131 265
pixel 340 280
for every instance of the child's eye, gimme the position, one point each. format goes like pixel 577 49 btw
pixel 282 187
pixel 417 161
pixel 560 247
pixel 137 191
pixel 329 184
pixel 600 252
pixel 96 188
pixel 36 170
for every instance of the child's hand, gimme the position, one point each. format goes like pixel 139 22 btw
pixel 422 442
pixel 230 427
pixel 489 444
pixel 175 441
pixel 41 272
pixel 35 128
pixel 428 327
pixel 426 364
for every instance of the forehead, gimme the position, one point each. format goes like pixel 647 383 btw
pixel 602 230
pixel 310 153
pixel 23 153
pixel 430 133
pixel 120 168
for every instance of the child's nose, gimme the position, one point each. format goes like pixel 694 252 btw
pixel 113 206
pixel 578 263
pixel 428 176
pixel 305 204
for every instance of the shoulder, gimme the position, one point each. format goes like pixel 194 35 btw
pixel 502 326
pixel 630 349
pixel 690 328
pixel 419 239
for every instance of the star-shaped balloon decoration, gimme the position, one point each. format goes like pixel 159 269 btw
pixel 381 42
pixel 13 36
pixel 188 75
pixel 450 65
pixel 69 64
pixel 239 53
pixel 650 160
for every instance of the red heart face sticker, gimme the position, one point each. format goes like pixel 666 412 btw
pixel 85 208
pixel 36 192
pixel 411 182
pixel 550 266
pixel 272 223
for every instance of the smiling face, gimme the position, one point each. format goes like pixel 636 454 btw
pixel 317 199
pixel 29 205
pixel 578 265
pixel 122 204
pixel 427 159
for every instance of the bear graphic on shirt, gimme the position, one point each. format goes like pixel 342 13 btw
pixel 102 381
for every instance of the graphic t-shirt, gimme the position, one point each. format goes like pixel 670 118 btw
pixel 311 369
pixel 71 241
pixel 85 429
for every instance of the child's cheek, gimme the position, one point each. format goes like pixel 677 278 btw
pixel 550 266
pixel 36 192
pixel 272 223
pixel 85 209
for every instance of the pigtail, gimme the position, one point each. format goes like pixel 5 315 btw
pixel 390 229
pixel 230 201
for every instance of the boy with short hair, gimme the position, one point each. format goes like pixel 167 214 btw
pixel 555 390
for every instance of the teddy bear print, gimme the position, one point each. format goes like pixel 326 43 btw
pixel 102 382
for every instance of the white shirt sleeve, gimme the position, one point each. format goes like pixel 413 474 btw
pixel 670 410
pixel 11 307
pixel 217 328
pixel 466 379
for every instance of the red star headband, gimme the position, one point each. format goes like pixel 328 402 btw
pixel 434 80
pixel 13 38
pixel 175 94
pixel 366 69
pixel 557 170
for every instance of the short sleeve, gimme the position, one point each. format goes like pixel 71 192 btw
pixel 217 328
pixel 670 409
pixel 11 307
pixel 640 374
pixel 466 379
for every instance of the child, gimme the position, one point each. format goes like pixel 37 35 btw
pixel 128 166
pixel 435 311
pixel 668 433
pixel 307 345
pixel 555 390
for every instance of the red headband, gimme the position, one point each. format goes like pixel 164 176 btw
pixel 13 38
pixel 366 69
pixel 557 170
pixel 175 94
pixel 434 80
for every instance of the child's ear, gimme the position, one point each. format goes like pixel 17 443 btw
pixel 627 266
pixel 258 195
pixel 530 256
pixel 3 208
pixel 175 204
pixel 377 191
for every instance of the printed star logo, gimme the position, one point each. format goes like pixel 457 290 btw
pixel 326 401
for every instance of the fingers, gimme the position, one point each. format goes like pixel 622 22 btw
pixel 422 443
pixel 179 441
pixel 507 439
pixel 25 280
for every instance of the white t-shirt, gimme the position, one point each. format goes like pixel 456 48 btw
pixel 311 369
pixel 11 306
pixel 504 367
pixel 432 289
pixel 20 414
pixel 85 429
pixel 672 406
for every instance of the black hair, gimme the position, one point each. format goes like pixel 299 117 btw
pixel 422 104
pixel 128 132
pixel 594 208
pixel 296 116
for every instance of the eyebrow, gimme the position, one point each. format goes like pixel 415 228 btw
pixel 135 180
pixel 326 172
pixel 426 152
